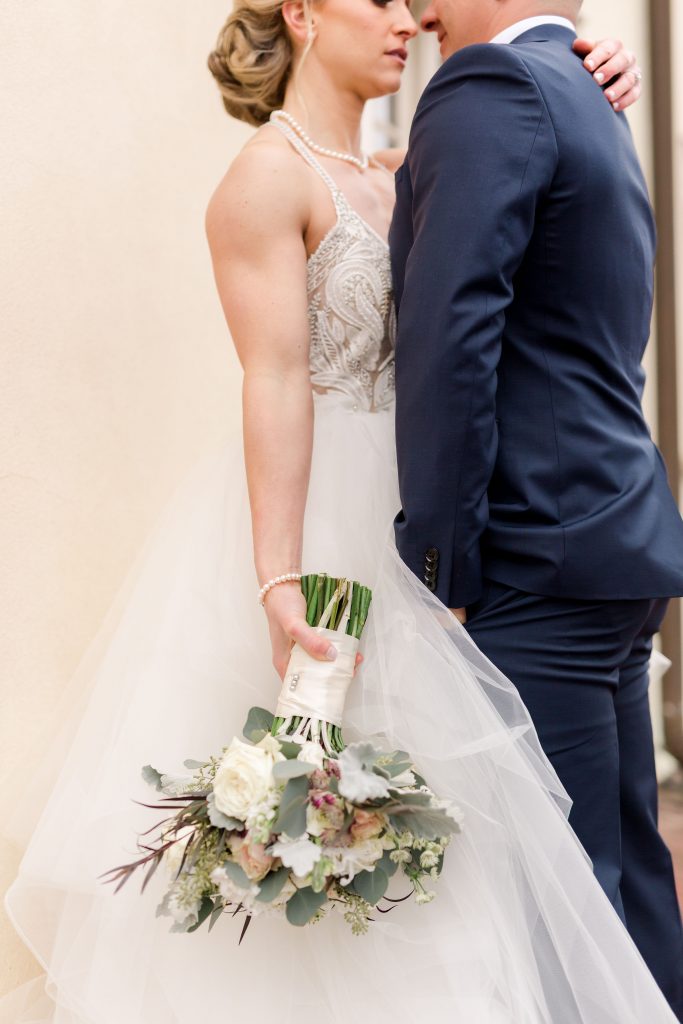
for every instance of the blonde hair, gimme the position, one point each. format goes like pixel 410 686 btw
pixel 252 62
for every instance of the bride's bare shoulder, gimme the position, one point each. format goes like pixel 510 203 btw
pixel 265 187
pixel 390 158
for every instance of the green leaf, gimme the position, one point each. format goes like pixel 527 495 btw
pixel 193 765
pixel 397 768
pixel 388 866
pixel 257 719
pixel 152 777
pixel 424 822
pixel 371 885
pixel 206 907
pixel 272 885
pixel 216 913
pixel 289 748
pixel 292 769
pixel 291 816
pixel 304 905
pixel 220 820
pixel 333 784
pixel 237 874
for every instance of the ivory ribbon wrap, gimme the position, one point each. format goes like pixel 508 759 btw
pixel 317 689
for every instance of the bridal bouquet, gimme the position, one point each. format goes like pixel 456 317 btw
pixel 289 820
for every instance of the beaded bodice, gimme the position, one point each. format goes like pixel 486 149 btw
pixel 351 311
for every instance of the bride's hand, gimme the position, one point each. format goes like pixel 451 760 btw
pixel 286 610
pixel 609 60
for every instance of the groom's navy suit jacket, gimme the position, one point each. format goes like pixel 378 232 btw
pixel 522 246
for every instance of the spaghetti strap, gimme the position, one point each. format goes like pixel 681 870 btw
pixel 340 201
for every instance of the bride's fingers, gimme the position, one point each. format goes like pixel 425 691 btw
pixel 621 66
pixel 597 54
pixel 629 98
pixel 317 646
pixel 626 90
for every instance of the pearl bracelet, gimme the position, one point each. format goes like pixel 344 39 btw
pixel 290 577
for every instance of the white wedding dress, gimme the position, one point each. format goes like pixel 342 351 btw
pixel 520 932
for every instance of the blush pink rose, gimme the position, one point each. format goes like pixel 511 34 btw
pixel 253 859
pixel 366 825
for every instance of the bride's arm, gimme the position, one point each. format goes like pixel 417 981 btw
pixel 255 224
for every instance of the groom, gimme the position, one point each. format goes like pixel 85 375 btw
pixel 535 503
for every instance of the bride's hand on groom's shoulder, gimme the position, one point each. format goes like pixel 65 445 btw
pixel 460 614
pixel 610 62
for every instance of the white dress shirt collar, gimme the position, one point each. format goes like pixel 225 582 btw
pixel 508 35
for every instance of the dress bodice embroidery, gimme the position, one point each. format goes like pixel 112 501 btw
pixel 351 311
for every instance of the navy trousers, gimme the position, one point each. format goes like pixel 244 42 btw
pixel 581 667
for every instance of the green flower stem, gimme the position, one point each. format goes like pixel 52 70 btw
pixel 320 590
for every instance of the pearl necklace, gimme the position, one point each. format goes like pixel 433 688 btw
pixel 362 163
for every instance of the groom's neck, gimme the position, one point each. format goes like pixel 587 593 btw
pixel 509 12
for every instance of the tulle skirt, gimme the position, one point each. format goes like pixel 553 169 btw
pixel 519 933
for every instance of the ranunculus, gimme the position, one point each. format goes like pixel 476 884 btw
pixel 252 858
pixel 366 825
pixel 351 860
pixel 243 778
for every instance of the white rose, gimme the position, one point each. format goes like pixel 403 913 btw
pixel 271 745
pixel 243 778
pixel 313 753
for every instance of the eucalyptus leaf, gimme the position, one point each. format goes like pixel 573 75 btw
pixel 371 885
pixel 220 820
pixel 397 768
pixel 237 874
pixel 400 756
pixel 272 885
pixel 292 769
pixel 289 748
pixel 216 913
pixel 388 866
pixel 205 909
pixel 304 905
pixel 193 765
pixel 257 719
pixel 151 776
pixel 291 816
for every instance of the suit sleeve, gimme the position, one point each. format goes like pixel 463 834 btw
pixel 482 157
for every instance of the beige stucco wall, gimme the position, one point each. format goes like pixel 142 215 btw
pixel 117 370
pixel 116 367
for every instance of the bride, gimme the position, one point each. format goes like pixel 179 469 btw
pixel 520 932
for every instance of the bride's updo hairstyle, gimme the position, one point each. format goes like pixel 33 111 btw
pixel 253 60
